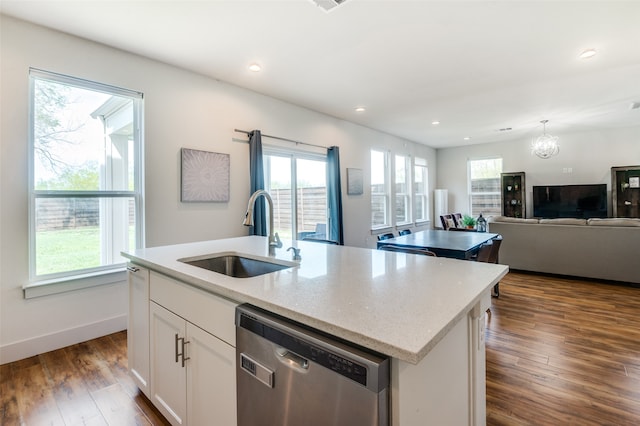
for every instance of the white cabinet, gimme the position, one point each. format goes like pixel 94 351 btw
pixel 138 326
pixel 192 354
pixel 211 379
pixel 168 388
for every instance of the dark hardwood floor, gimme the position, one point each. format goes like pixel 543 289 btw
pixel 559 352
pixel 563 352
pixel 83 384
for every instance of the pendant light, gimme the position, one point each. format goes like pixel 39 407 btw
pixel 545 146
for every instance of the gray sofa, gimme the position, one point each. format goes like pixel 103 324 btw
pixel 606 249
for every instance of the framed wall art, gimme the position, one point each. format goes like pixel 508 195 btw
pixel 205 176
pixel 354 182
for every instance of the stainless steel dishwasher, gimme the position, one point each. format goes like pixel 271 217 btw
pixel 288 374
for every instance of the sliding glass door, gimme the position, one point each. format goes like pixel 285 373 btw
pixel 297 184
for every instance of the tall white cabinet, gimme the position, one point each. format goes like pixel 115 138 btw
pixel 190 347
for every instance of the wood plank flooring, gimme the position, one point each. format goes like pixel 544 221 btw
pixel 83 384
pixel 563 352
pixel 559 352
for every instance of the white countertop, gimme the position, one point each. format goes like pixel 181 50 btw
pixel 397 304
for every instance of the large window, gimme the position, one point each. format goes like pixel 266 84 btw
pixel 85 179
pixel 421 190
pixel 403 189
pixel 484 186
pixel 297 183
pixel 380 190
pixel 407 198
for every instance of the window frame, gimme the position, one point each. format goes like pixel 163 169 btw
pixel 386 195
pixel 471 194
pixel 421 163
pixel 44 284
pixel 408 194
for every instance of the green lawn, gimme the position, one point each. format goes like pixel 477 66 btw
pixel 69 249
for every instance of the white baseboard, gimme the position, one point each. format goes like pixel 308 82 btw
pixel 41 344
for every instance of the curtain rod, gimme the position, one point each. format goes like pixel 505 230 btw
pixel 282 139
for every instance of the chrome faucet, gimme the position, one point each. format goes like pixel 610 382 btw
pixel 274 238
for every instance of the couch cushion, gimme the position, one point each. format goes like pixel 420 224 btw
pixel 564 221
pixel 511 219
pixel 615 221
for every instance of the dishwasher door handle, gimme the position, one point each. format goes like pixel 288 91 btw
pixel 293 358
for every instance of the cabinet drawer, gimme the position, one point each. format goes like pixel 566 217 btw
pixel 212 313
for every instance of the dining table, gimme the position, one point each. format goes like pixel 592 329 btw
pixel 457 245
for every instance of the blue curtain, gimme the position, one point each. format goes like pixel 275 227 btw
pixel 334 195
pixel 256 175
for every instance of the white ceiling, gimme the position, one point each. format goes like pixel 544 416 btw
pixel 475 66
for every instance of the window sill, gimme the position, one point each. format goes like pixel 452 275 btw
pixel 380 229
pixel 71 283
pixel 403 224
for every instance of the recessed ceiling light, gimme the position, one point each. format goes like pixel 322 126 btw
pixel 435 123
pixel 255 67
pixel 589 53
pixel 360 109
pixel 467 138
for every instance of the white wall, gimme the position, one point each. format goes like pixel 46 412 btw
pixel 182 109
pixel 589 155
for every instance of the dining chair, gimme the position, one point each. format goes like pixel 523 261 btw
pixel 409 250
pixel 488 253
pixel 447 221
pixel 382 237
pixel 457 220
pixel 405 232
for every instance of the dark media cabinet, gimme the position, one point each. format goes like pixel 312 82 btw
pixel 512 194
pixel 625 191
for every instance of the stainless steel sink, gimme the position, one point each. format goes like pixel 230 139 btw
pixel 236 266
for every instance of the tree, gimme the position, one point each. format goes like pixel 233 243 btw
pixel 51 99
pixel 85 178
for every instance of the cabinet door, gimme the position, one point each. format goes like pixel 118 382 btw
pixel 138 326
pixel 168 376
pixel 211 379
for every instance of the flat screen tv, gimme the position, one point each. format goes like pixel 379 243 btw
pixel 575 201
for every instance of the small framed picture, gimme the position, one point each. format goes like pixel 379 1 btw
pixel 355 182
pixel 205 176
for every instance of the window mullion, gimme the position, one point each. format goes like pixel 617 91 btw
pixel 294 198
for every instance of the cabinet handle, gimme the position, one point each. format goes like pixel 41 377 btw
pixel 184 359
pixel 132 269
pixel 177 354
pixel 180 353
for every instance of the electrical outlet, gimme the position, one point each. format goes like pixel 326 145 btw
pixel 567 170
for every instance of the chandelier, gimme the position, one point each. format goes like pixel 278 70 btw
pixel 545 146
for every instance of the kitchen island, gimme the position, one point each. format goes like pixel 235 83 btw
pixel 425 313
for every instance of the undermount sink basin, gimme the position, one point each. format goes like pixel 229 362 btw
pixel 236 266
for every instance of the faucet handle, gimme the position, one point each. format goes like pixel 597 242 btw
pixel 296 253
pixel 278 243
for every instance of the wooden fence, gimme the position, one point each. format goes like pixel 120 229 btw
pixel 69 213
pixel 312 208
